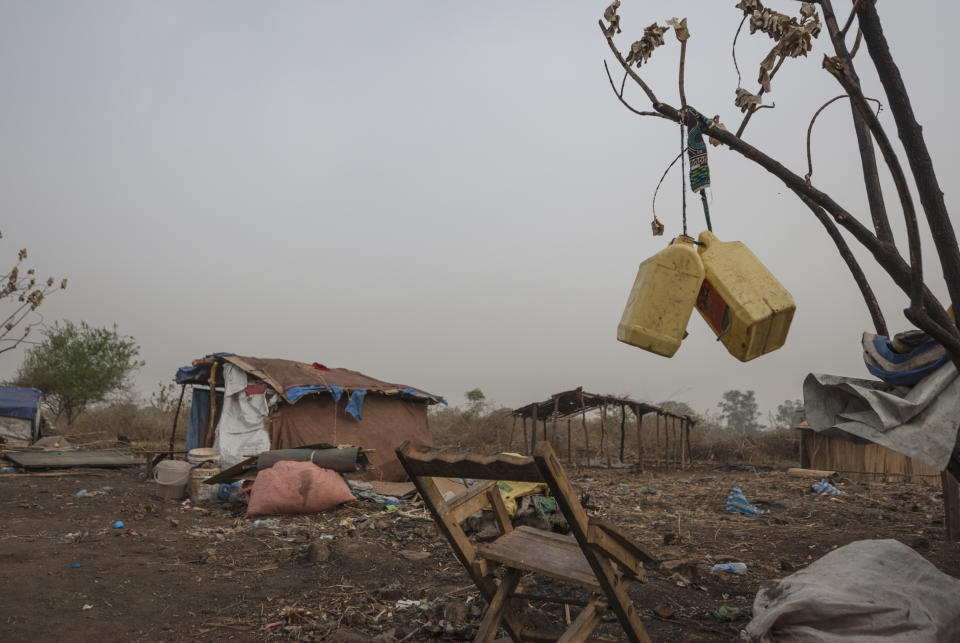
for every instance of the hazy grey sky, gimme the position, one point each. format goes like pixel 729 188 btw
pixel 446 195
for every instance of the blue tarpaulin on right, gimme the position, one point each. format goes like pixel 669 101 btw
pixel 199 406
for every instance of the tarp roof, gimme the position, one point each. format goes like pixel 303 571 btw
pixel 19 402
pixel 293 379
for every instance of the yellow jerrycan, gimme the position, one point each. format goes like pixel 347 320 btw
pixel 741 300
pixel 663 297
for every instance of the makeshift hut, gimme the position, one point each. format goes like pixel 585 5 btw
pixel 19 415
pixel 859 459
pixel 263 404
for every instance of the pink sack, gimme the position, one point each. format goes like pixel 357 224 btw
pixel 296 488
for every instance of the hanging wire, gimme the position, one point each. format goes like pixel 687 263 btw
pixel 660 182
pixel 683 179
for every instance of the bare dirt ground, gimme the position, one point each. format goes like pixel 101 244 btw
pixel 176 573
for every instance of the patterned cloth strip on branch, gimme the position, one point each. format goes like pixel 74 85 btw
pixel 696 151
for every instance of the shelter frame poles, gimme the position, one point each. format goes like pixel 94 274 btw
pixel 683 445
pixel 586 433
pixel 556 418
pixel 513 430
pixel 689 424
pixel 639 417
pixel 524 443
pixel 603 431
pixel 569 442
pixel 533 432
pixel 176 416
pixel 209 429
pixel 623 429
pixel 666 442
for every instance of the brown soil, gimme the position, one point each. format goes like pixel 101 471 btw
pixel 176 573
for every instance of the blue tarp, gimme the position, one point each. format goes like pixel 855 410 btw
pixel 199 406
pixel 294 393
pixel 355 406
pixel 196 374
pixel 19 402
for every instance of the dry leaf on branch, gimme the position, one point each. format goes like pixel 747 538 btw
pixel 641 50
pixel 679 28
pixel 611 16
pixel 718 125
pixel 745 99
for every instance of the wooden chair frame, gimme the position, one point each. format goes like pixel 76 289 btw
pixel 598 557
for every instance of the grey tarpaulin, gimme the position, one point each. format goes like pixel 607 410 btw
pixel 869 590
pixel 344 460
pixel 920 422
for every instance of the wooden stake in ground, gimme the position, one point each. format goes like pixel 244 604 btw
pixel 640 452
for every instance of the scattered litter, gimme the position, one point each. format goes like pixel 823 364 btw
pixel 118 524
pixel 664 611
pixel 738 503
pixel 648 490
pixel 365 491
pixel 825 488
pixel 733 568
pixel 72 537
pixel 87 606
pixel 269 522
pixel 404 603
pixel 76 565
pixel 274 624
pixel 81 493
pixel 725 613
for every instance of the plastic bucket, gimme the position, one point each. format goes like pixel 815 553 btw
pixel 201 455
pixel 200 492
pixel 171 477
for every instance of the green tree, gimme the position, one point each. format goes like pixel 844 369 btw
pixel 739 411
pixel 476 402
pixel 77 365
pixel 788 413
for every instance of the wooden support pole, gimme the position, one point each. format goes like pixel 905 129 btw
pixel 569 442
pixel 623 428
pixel 683 444
pixel 586 433
pixel 525 442
pixel 640 451
pixel 951 506
pixel 173 432
pixel 513 429
pixel 603 431
pixel 533 433
pixel 666 443
pixel 210 430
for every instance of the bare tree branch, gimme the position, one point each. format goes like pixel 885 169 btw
pixel 879 324
pixel 619 95
pixel 911 135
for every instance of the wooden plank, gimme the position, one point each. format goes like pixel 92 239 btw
pixel 566 497
pixel 498 606
pixel 499 510
pixel 951 506
pixel 470 501
pixel 478 467
pixel 585 623
pixel 630 564
pixel 66 459
pixel 210 428
pixel 542 552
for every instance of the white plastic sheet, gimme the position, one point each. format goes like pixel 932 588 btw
pixel 921 422
pixel 240 430
pixel 867 591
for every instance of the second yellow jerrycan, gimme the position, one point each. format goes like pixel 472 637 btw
pixel 662 300
pixel 741 300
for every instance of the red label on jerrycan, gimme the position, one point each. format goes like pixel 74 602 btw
pixel 713 308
